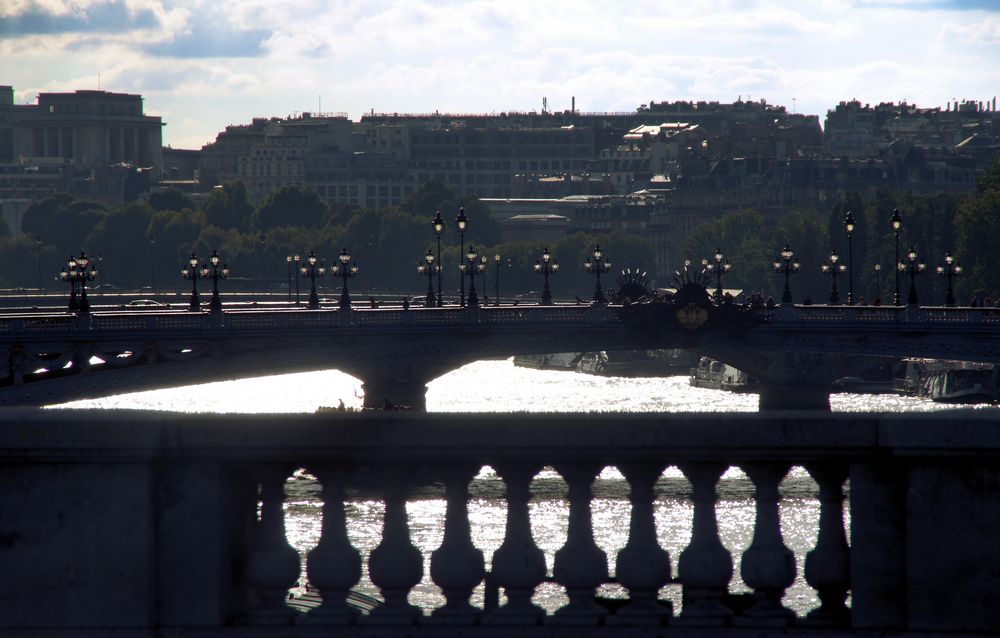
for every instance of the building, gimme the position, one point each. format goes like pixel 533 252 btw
pixel 93 139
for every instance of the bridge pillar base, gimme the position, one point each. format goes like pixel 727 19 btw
pixel 780 397
pixel 395 394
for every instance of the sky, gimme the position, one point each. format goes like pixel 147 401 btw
pixel 205 64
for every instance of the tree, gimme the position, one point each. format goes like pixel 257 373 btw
pixel 170 199
pixel 977 226
pixel 429 198
pixel 37 219
pixel 290 206
pixel 122 237
pixel 228 206
pixel 434 196
pixel 27 263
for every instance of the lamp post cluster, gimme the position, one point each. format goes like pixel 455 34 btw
pixel 833 267
pixel 345 269
pixel 77 272
pixel 438 224
pixel 194 273
pixel 895 223
pixel 293 267
pixel 462 224
pixel 311 269
pixel 720 266
pixel 545 267
pixel 786 264
pixel 912 267
pixel 849 228
pixel 950 268
pixel 600 264
pixel 472 267
pixel 216 275
pixel 428 268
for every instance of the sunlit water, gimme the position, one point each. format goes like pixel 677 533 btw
pixel 499 386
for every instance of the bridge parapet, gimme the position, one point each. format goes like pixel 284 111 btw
pixel 129 505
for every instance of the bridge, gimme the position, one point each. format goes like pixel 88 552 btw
pixel 51 357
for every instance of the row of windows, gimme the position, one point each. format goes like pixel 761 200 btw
pixel 265 169
pixel 82 109
pixel 517 151
pixel 517 139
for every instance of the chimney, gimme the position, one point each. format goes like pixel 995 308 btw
pixel 572 109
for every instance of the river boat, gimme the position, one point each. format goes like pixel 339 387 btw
pixel 947 381
pixel 551 361
pixel 717 375
pixel 617 363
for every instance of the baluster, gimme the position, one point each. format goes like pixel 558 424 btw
pixel 642 565
pixel 768 566
pixel 273 565
pixel 396 565
pixel 828 564
pixel 457 566
pixel 334 565
pixel 580 566
pixel 705 566
pixel 518 564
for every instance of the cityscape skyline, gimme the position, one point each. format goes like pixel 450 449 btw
pixel 202 66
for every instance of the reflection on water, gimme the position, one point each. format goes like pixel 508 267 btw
pixel 499 386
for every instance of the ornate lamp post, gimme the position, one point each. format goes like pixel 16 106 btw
pixel 312 269
pixel 344 268
pixel 193 273
pixel 849 227
pixel 77 271
pixel 484 262
pixel 720 266
pixel 896 222
pixel 600 264
pixel 545 267
pixel 428 268
pixel 215 260
pixel 472 267
pixel 293 269
pixel 152 265
pixel 462 224
pixel 878 281
pixel 833 267
pixel 786 264
pixel 86 274
pixel 438 225
pixel 912 268
pixel 69 274
pixel 949 269
pixel 497 258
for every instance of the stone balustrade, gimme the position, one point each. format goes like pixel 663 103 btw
pixel 144 524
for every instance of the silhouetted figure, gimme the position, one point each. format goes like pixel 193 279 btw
pixel 406 303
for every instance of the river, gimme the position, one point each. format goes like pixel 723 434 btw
pixel 500 386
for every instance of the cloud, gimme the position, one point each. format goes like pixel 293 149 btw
pixel 207 40
pixel 104 17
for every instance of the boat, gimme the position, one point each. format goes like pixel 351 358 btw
pixel 616 363
pixel 551 361
pixel 717 375
pixel 947 381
